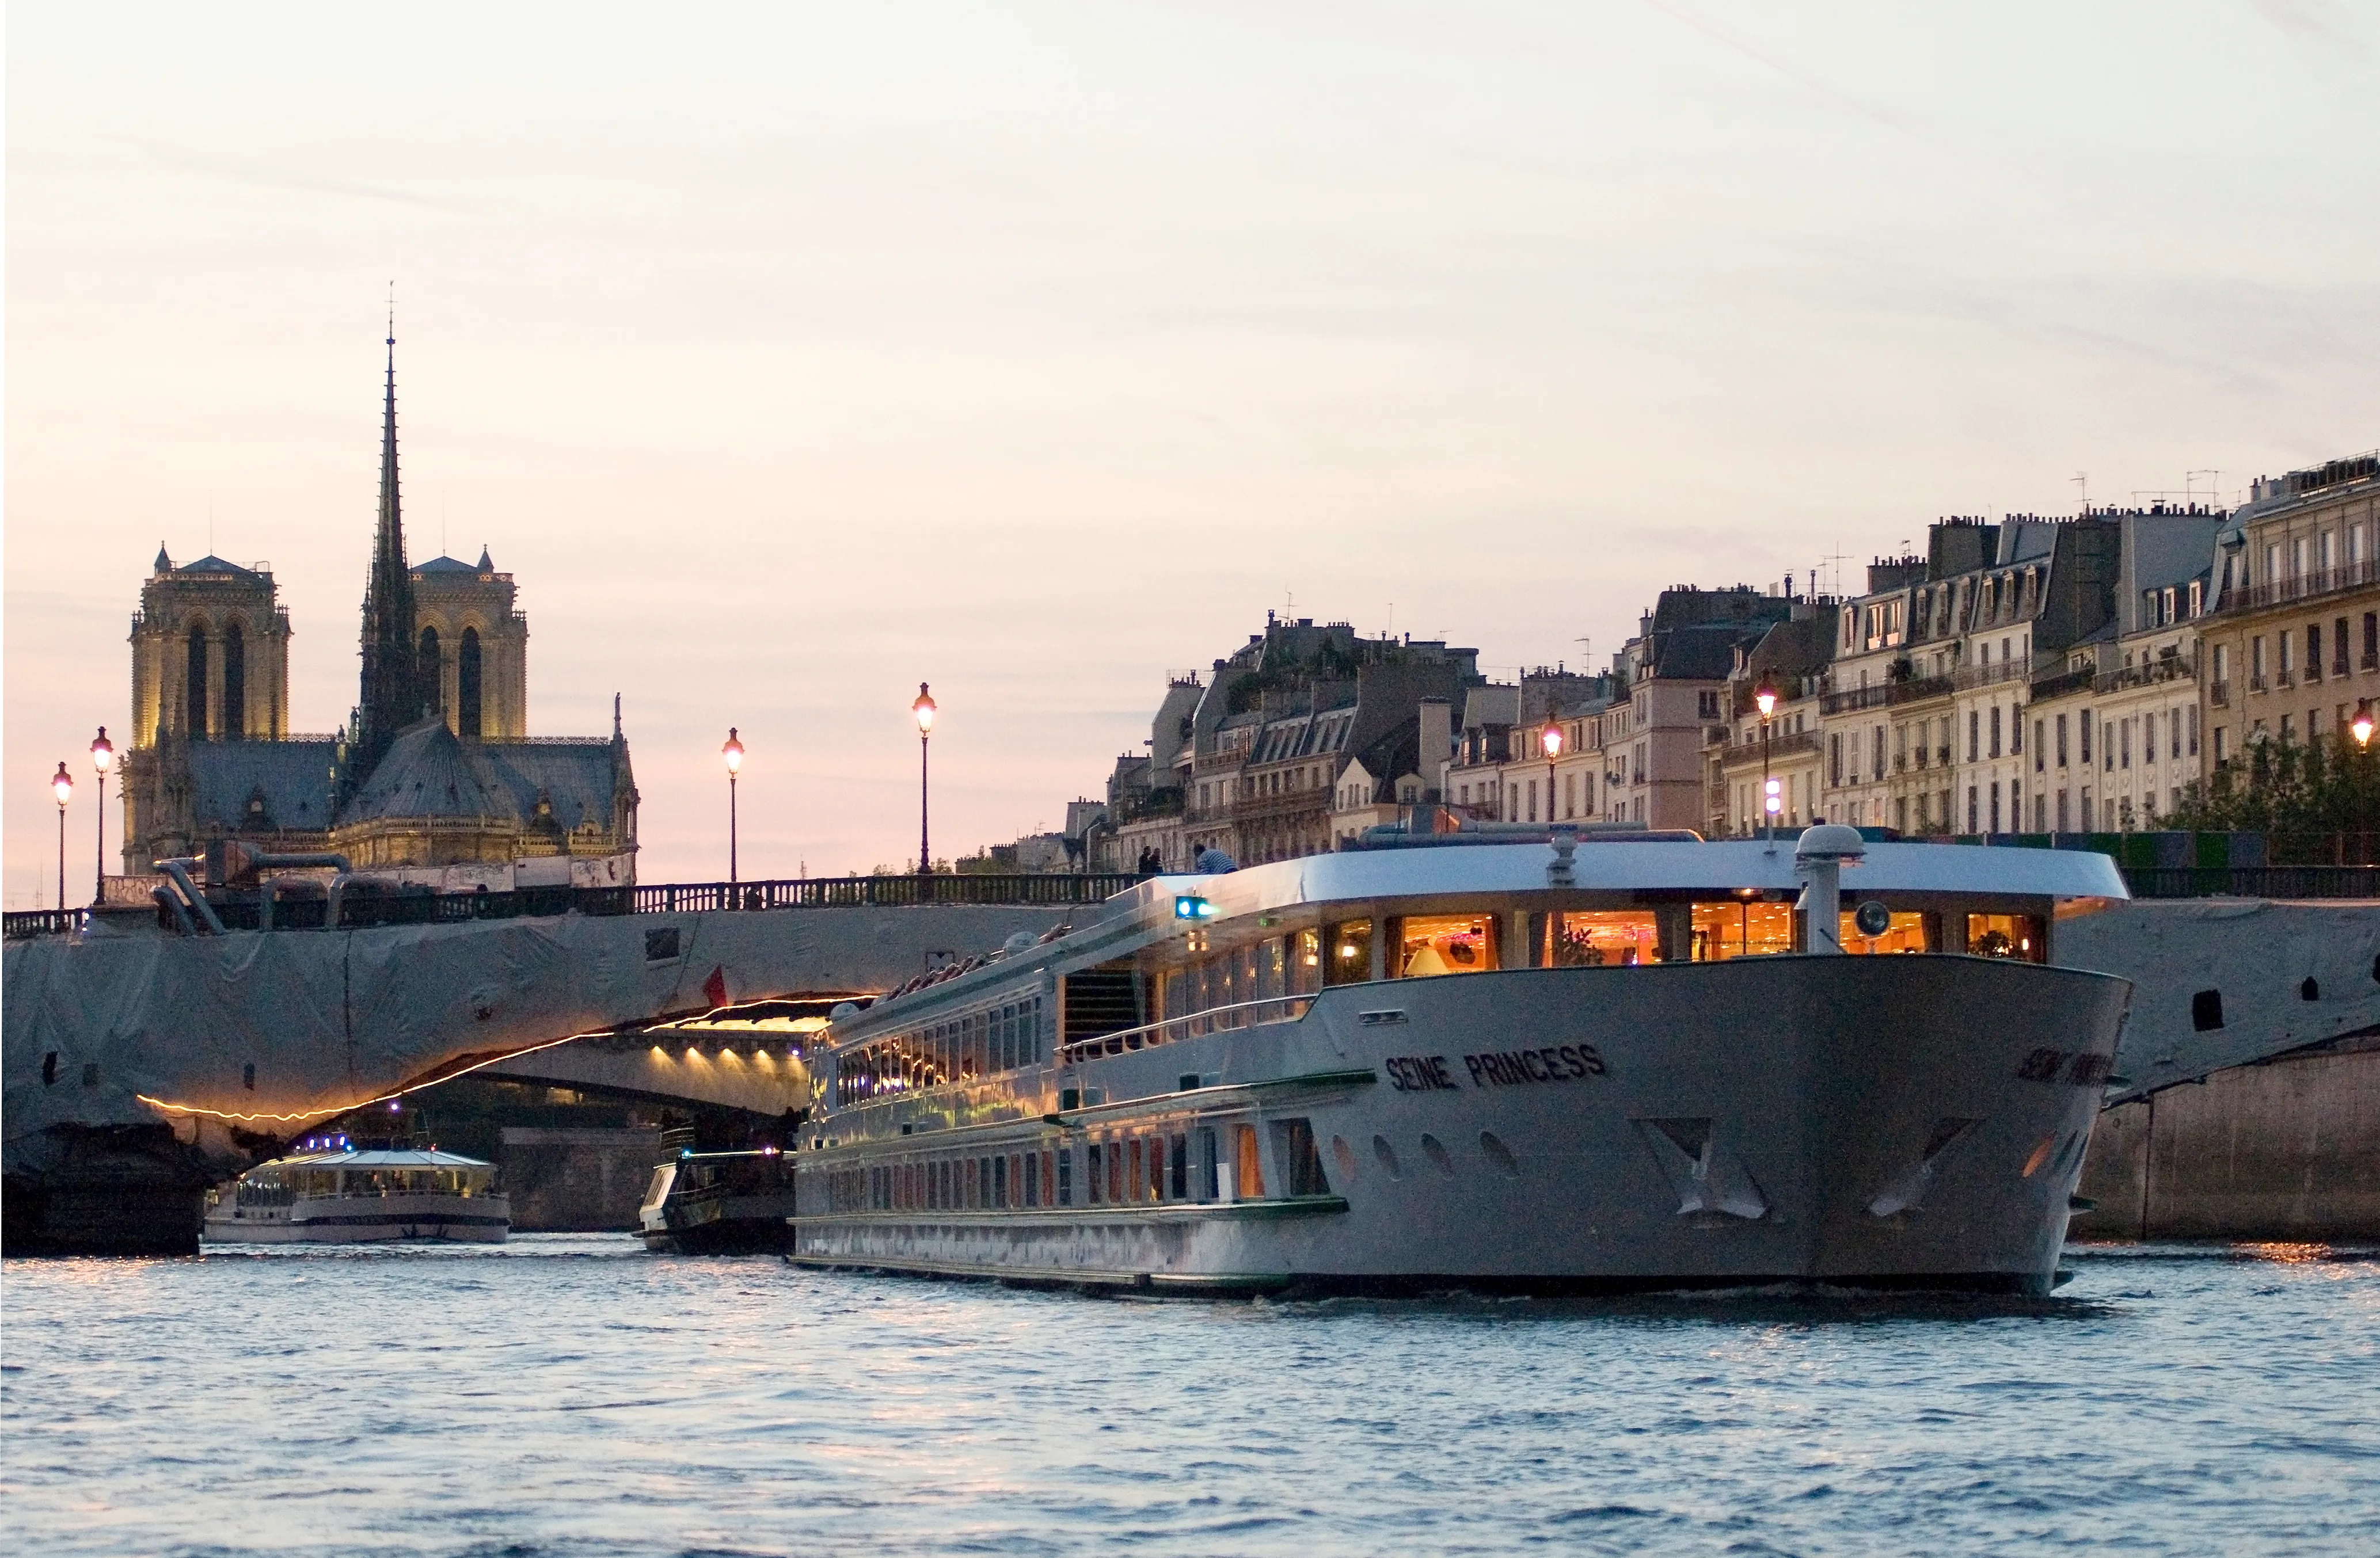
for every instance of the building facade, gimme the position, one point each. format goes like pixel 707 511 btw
pixel 2292 644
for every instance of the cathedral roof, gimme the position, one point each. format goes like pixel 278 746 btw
pixel 211 564
pixel 428 773
pixel 290 778
pixel 539 785
pixel 444 565
pixel 578 779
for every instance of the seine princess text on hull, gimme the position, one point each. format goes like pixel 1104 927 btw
pixel 1498 1066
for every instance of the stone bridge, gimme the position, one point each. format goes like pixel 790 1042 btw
pixel 140 1066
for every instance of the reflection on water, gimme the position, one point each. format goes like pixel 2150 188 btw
pixel 564 1395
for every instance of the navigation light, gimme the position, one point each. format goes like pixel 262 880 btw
pixel 1190 906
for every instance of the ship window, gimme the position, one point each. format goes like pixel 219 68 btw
pixel 1607 937
pixel 1350 962
pixel 1181 1168
pixel 1272 969
pixel 2019 937
pixel 1302 1164
pixel 1133 1180
pixel 1738 928
pixel 1248 1167
pixel 1388 1156
pixel 1906 933
pixel 1305 962
pixel 1428 945
pixel 1208 1190
pixel 1117 1190
pixel 1091 1158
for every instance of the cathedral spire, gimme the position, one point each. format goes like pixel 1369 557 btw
pixel 392 695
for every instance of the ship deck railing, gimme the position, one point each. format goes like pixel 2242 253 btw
pixel 1189 1025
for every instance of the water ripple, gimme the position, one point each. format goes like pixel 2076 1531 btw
pixel 568 1395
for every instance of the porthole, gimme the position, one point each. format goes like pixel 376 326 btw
pixel 1344 1155
pixel 1388 1156
pixel 2311 990
pixel 1499 1153
pixel 1436 1152
pixel 2206 1011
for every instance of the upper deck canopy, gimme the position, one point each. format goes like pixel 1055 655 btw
pixel 1364 879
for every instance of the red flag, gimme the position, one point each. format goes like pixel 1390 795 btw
pixel 714 989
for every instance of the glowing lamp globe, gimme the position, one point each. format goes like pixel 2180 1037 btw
pixel 62 786
pixel 1550 738
pixel 102 752
pixel 924 710
pixel 1766 696
pixel 733 752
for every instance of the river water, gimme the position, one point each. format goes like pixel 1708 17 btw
pixel 576 1395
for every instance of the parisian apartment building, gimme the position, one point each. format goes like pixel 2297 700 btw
pixel 2023 675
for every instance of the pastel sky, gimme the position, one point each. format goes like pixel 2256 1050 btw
pixel 789 356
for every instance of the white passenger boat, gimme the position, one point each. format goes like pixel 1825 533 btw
pixel 1624 1065
pixel 343 1195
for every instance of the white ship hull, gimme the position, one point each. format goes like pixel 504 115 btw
pixel 430 1219
pixel 1903 1121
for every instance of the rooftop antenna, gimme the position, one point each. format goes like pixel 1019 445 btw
pixel 1838 558
pixel 2082 480
pixel 2214 486
pixel 1393 620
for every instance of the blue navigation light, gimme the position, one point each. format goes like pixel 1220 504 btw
pixel 1190 906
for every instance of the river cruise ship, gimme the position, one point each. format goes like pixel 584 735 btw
pixel 340 1194
pixel 1549 1066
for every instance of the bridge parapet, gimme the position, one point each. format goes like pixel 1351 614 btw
pixel 363 905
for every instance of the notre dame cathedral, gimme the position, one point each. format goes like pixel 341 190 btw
pixel 435 767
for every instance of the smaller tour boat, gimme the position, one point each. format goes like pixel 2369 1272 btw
pixel 719 1204
pixel 340 1194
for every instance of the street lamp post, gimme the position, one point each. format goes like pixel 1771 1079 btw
pixel 1550 738
pixel 62 786
pixel 1766 696
pixel 924 710
pixel 103 757
pixel 733 754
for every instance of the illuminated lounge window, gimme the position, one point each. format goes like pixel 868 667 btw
pixel 1741 928
pixel 1428 945
pixel 1350 953
pixel 1905 934
pixel 1601 937
pixel 2018 936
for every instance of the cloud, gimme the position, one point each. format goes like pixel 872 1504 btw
pixel 265 177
